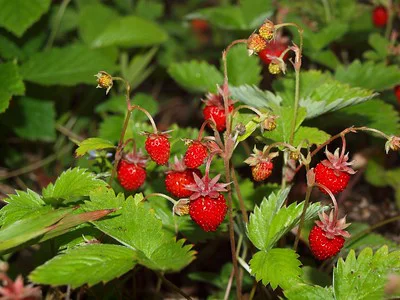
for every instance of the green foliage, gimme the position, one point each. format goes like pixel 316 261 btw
pixel 18 15
pixel 66 66
pixel 242 69
pixel 72 184
pixel 196 76
pixel 380 45
pixel 133 224
pixel 141 32
pixel 36 119
pixel 88 264
pixel 310 134
pixel 364 277
pixel 277 267
pixel 305 291
pixel 10 84
pixel 369 75
pixel 92 144
pixel 269 222
pixel 252 95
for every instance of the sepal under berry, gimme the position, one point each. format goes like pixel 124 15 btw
pixel 205 186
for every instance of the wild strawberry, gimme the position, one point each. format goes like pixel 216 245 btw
pixel 255 43
pixel 178 177
pixel 334 172
pixel 261 163
pixel 380 16
pixel 274 49
pixel 215 110
pixel 131 172
pixel 104 81
pixel 397 93
pixel 199 25
pixel 267 30
pixel 207 205
pixel 158 148
pixel 195 155
pixel 327 236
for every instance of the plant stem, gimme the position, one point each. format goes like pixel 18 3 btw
pixel 173 201
pixel 359 235
pixel 173 286
pixel 239 195
pixel 296 106
pixel 389 23
pixel 57 21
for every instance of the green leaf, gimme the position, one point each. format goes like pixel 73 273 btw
pixel 20 205
pixel 253 96
pixel 133 225
pixel 9 49
pixel 94 19
pixel 364 277
pixel 92 144
pixel 325 36
pixel 325 57
pixel 72 184
pixel 242 68
pixel 10 84
pixel 313 135
pixel 18 15
pixel 381 46
pixel 141 33
pixel 269 222
pixel 28 228
pixel 37 119
pixel 225 17
pixel 370 75
pixel 196 76
pixel 277 267
pixel 66 66
pixel 309 292
pixel 89 264
pixel 375 174
pixel 149 9
pixel 255 11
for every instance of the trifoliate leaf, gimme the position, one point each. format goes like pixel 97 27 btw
pixel 364 277
pixel 277 267
pixel 196 76
pixel 72 184
pixel 88 264
pixel 20 205
pixel 253 96
pixel 18 15
pixel 137 227
pixel 91 144
pixel 10 84
pixel 369 75
pixel 269 222
pixel 66 66
pixel 242 68
pixel 313 135
pixel 310 292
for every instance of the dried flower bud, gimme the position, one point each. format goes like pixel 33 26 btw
pixel 255 43
pixel 393 144
pixel 274 68
pixel 295 155
pixel 267 30
pixel 182 207
pixel 268 122
pixel 240 129
pixel 104 81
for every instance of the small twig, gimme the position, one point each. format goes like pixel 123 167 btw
pixel 239 195
pixel 173 286
pixel 69 133
pixel 229 285
pixel 57 23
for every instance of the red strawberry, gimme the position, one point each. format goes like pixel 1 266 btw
pixel 195 154
pixel 327 237
pixel 261 163
pixel 215 110
pixel 158 147
pixel 397 93
pixel 131 172
pixel 199 25
pixel 380 16
pixel 274 49
pixel 207 205
pixel 334 172
pixel 178 177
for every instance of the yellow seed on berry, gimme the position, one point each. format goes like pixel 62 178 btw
pixel 274 68
pixel 255 43
pixel 267 30
pixel 104 80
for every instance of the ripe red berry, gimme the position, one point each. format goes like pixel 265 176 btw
pixel 262 170
pixel 397 93
pixel 380 16
pixel 208 212
pixel 158 148
pixel 195 155
pixel 130 175
pixel 215 110
pixel 323 247
pixel 199 25
pixel 273 49
pixel 335 181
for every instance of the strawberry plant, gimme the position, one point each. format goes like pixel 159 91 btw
pixel 268 171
